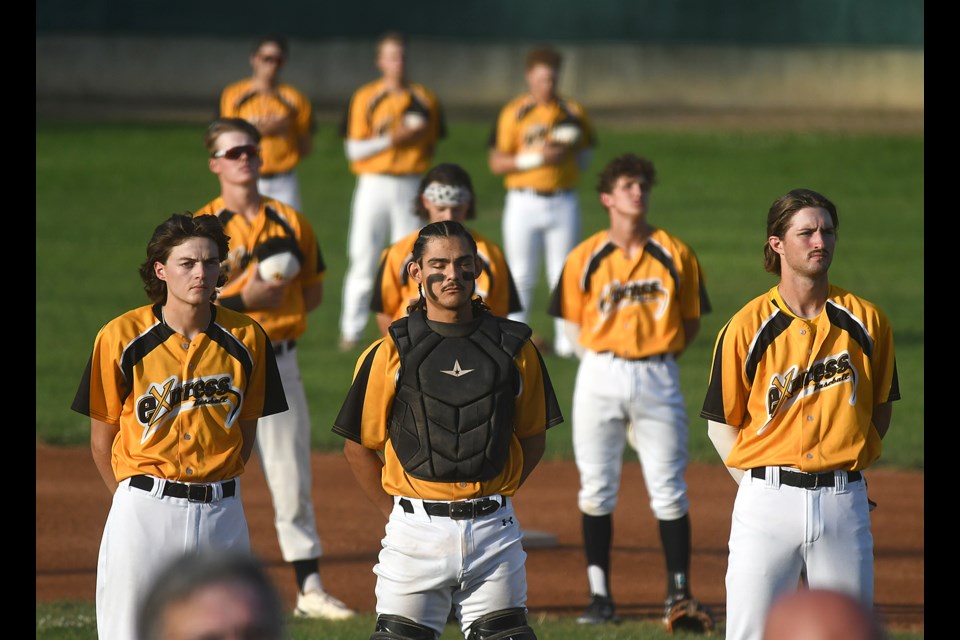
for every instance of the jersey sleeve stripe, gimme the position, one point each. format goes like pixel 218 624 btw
pixel 348 421
pixel 713 402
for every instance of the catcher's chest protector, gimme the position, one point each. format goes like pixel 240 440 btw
pixel 452 418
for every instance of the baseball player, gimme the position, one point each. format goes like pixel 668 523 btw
pixel 541 143
pixel 799 399
pixel 445 193
pixel 445 420
pixel 632 296
pixel 173 391
pixel 391 128
pixel 258 228
pixel 282 114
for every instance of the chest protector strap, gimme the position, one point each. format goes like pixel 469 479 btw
pixel 452 418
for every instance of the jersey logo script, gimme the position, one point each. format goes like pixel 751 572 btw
pixel 456 372
pixel 164 401
pixel 616 295
pixel 785 389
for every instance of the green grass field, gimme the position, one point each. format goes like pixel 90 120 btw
pixel 76 621
pixel 102 188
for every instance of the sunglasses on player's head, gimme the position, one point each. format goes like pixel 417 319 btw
pixel 235 153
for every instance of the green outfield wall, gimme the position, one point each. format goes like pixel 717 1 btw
pixel 645 54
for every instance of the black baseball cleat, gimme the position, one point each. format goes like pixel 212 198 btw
pixel 599 611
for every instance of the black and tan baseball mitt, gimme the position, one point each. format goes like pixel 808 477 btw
pixel 690 615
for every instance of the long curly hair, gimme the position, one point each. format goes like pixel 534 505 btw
pixel 173 232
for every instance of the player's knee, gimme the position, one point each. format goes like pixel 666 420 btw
pixel 500 625
pixel 390 627
pixel 597 505
pixel 670 510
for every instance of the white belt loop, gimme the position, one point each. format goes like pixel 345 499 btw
pixel 840 481
pixel 773 477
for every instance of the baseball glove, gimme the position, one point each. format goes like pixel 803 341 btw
pixel 689 615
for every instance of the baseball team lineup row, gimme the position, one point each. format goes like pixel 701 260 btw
pixel 451 405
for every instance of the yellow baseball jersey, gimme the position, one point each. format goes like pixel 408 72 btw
pixel 178 404
pixel 367 407
pixel 394 290
pixel 374 111
pixel 275 220
pixel 802 392
pixel 524 125
pixel 633 307
pixel 280 153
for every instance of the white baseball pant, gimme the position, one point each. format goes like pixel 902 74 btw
pixel 283 445
pixel 425 557
pixel 611 394
pixel 284 187
pixel 144 531
pixel 534 225
pixel 382 212
pixel 777 530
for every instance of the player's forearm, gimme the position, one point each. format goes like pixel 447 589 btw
pixel 312 296
pixel 572 331
pixel 501 162
pixel 533 448
pixel 305 145
pixel 101 449
pixel 367 468
pixel 361 149
pixel 882 413
pixel 723 437
pixel 248 430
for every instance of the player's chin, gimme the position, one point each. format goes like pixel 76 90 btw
pixel 199 295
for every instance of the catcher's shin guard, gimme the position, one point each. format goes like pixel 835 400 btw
pixel 500 625
pixel 391 627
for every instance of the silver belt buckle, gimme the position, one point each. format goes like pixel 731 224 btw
pixel 461 510
pixel 199 493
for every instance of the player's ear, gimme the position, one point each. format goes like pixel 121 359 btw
pixel 160 270
pixel 606 200
pixel 776 243
pixel 414 271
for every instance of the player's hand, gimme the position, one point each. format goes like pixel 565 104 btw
pixel 263 294
pixel 273 125
pixel 554 153
pixel 403 134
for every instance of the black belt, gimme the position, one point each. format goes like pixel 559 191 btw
pixel 657 357
pixel 198 492
pixel 546 194
pixel 803 480
pixel 279 348
pixel 460 510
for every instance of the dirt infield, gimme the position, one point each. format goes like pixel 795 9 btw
pixel 72 505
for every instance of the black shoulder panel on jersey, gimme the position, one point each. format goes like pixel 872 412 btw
pixel 594 264
pixel 777 325
pixel 347 422
pixel 841 318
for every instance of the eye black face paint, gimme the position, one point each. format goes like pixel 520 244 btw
pixel 435 280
